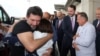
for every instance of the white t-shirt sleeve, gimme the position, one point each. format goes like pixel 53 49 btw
pixel 38 34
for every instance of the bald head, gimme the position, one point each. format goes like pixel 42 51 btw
pixel 59 14
pixel 46 15
pixel 98 13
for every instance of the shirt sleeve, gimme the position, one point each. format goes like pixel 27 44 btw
pixel 21 27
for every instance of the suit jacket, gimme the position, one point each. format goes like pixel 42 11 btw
pixel 54 21
pixel 54 34
pixel 67 29
pixel 95 22
pixel 59 30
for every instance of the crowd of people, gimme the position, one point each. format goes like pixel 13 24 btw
pixel 40 33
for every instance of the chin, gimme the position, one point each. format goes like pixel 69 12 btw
pixel 80 24
pixel 33 26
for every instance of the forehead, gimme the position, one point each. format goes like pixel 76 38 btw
pixel 70 9
pixel 79 16
pixel 59 13
pixel 34 17
pixel 98 11
pixel 45 13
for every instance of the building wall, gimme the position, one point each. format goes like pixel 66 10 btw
pixel 79 8
pixel 96 4
pixel 88 6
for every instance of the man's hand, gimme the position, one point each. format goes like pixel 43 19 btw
pixel 75 46
pixel 75 36
pixel 48 53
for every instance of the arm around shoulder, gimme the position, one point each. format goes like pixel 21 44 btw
pixel 29 43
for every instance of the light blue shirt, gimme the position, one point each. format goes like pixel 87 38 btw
pixel 86 40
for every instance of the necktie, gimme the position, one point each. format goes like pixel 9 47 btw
pixel 98 27
pixel 58 23
pixel 72 23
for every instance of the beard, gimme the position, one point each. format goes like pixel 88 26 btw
pixel 33 27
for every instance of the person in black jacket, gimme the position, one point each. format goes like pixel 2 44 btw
pixel 96 23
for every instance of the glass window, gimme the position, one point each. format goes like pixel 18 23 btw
pixel 5 17
pixel 0 14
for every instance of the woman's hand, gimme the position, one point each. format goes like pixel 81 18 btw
pixel 48 52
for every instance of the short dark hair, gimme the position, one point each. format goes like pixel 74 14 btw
pixel 34 10
pixel 72 6
pixel 45 26
pixel 83 14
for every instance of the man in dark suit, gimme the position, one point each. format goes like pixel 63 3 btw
pixel 69 26
pixel 96 23
pixel 58 28
pixel 55 18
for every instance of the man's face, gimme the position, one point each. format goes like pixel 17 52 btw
pixel 46 16
pixel 33 20
pixel 81 21
pixel 71 11
pixel 59 15
pixel 98 14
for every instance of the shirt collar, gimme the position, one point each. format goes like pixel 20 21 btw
pixel 85 24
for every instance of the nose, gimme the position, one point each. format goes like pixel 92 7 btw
pixel 34 23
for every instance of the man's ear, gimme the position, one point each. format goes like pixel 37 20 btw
pixel 27 17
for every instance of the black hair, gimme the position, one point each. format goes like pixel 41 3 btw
pixel 83 14
pixel 73 6
pixel 45 26
pixel 34 10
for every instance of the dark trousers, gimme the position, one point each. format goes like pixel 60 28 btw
pixel 4 52
pixel 66 47
pixel 59 43
pixel 97 49
pixel 53 50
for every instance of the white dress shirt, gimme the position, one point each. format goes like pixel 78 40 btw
pixel 86 40
pixel 98 23
pixel 60 21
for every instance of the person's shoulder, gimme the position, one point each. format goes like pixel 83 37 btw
pixel 37 32
pixel 21 27
pixel 95 20
pixel 66 18
pixel 21 22
pixel 90 26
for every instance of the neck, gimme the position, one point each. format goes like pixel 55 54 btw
pixel 98 19
pixel 28 23
pixel 72 15
pixel 60 18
